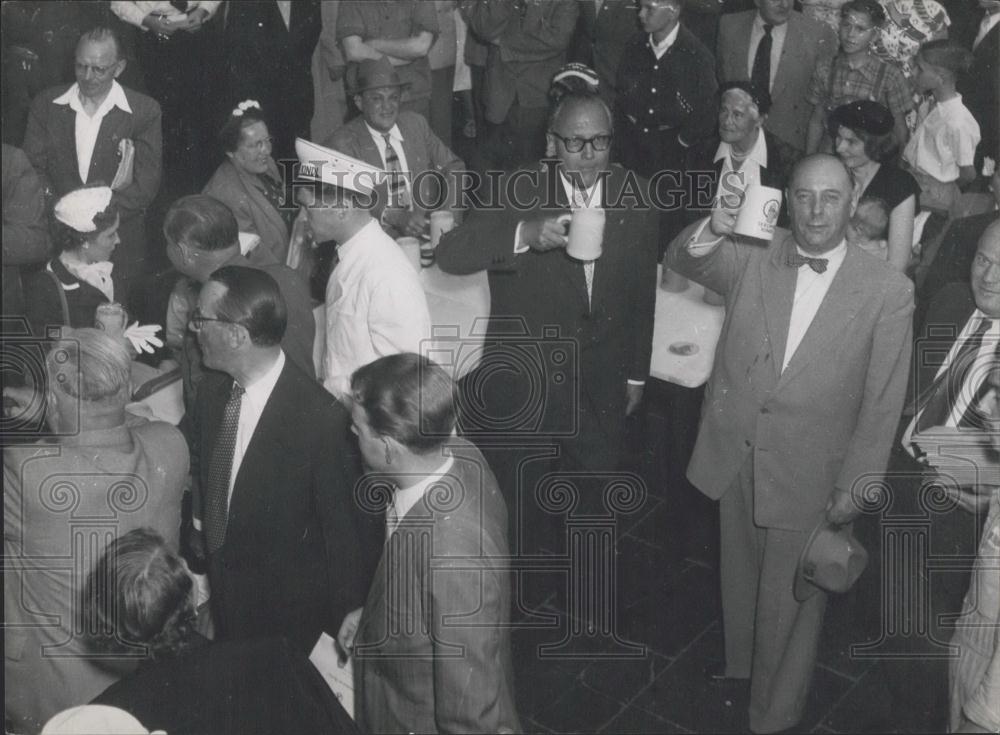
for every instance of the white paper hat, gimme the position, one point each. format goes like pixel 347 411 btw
pixel 317 163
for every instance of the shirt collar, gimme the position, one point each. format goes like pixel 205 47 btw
pixel 116 98
pixel 379 138
pixel 975 320
pixel 662 48
pixel 594 194
pixel 371 229
pixel 758 24
pixel 405 498
pixel 955 101
pixel 757 154
pixel 260 390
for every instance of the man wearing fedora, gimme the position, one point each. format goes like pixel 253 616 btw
pixel 799 414
pixel 398 141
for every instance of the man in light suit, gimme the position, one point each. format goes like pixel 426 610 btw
pixel 418 150
pixel 97 131
pixel 273 473
pixel 432 644
pixel 593 319
pixel 106 474
pixel 796 43
pixel 800 411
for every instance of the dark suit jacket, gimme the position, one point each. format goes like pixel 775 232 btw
pixel 424 151
pixel 828 420
pixel 543 296
pixel 958 246
pixel 261 686
pixel 50 144
pixel 806 41
pixel 432 651
pixel 525 50
pixel 946 318
pixel 980 94
pixel 289 563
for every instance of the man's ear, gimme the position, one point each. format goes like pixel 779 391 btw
pixel 120 67
pixel 357 101
pixel 238 336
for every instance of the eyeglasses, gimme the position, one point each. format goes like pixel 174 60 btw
pixel 197 320
pixel 97 71
pixel 261 145
pixel 575 145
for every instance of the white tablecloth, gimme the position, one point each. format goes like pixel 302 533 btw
pixel 684 317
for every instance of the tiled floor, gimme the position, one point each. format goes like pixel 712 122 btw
pixel 671 609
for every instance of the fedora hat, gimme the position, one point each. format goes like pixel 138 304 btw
pixel 372 74
pixel 832 561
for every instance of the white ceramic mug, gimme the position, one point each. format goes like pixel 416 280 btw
pixel 759 213
pixel 411 249
pixel 586 234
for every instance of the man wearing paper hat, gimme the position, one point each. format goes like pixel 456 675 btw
pixel 803 402
pixel 375 305
pixel 397 140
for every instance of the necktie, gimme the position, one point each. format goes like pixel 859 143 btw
pixel 760 74
pixel 817 264
pixel 936 404
pixel 217 492
pixel 396 181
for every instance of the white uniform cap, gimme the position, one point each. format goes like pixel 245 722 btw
pixel 317 163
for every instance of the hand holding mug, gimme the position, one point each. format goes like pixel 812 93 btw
pixel 544 234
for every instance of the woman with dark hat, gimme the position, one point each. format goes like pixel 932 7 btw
pixel 862 132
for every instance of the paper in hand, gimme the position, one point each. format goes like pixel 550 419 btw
pixel 126 162
pixel 326 658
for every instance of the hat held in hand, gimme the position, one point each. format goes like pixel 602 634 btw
pixel 832 561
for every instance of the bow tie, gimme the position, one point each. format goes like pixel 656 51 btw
pixel 796 261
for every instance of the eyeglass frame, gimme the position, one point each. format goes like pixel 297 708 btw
pixel 197 320
pixel 583 142
pixel 98 71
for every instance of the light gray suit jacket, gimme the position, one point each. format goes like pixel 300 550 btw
pixel 806 40
pixel 827 420
pixel 432 651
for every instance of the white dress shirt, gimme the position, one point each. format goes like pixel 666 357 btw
pixel 255 397
pixel 405 498
pixel 777 44
pixel 663 46
pixel 748 174
pixel 87 126
pixel 134 12
pixel 375 306
pixel 945 139
pixel 985 358
pixel 810 290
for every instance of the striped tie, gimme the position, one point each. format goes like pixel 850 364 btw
pixel 397 193
pixel 580 202
pixel 217 491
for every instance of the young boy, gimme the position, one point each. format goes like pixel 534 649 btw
pixel 941 151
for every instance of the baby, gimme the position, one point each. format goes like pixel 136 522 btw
pixel 869 227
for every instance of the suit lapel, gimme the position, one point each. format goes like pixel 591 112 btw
pixel 777 292
pixel 741 49
pixel 105 158
pixel 837 310
pixel 65 137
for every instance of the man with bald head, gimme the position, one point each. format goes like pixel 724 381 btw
pixel 588 324
pixel 800 412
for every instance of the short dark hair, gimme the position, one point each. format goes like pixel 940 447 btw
pixel 66 238
pixel 878 147
pixel 231 132
pixel 871 8
pixel 254 300
pixel 948 55
pixel 103 33
pixel 202 222
pixel 407 397
pixel 140 593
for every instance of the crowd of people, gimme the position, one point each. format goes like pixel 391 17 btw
pixel 326 489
